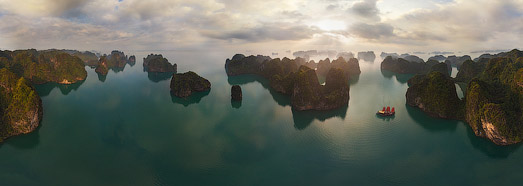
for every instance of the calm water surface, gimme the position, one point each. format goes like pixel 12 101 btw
pixel 126 129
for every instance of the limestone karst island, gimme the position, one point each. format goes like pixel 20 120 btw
pixel 286 92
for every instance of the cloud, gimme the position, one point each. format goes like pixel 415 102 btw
pixel 366 9
pixel 41 7
pixel 269 31
pixel 372 31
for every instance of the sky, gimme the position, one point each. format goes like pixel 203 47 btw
pixel 343 25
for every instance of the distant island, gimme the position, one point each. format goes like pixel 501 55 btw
pixel 157 63
pixel 493 103
pixel 116 61
pixel 293 77
pixel 403 66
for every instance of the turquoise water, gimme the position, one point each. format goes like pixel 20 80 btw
pixel 126 129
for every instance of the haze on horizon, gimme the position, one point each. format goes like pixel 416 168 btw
pixel 350 25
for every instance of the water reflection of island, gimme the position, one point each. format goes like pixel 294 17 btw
pixel 196 97
pixel 45 89
pixel 159 76
pixel 402 78
pixel 302 119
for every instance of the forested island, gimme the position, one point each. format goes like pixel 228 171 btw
pixel 493 103
pixel 44 66
pixel 293 77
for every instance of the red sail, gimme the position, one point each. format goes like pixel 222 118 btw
pixel 392 109
pixel 383 109
pixel 388 109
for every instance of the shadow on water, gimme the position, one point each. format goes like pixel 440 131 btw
pixel 45 89
pixel 488 148
pixel 159 76
pixel 194 98
pixel 236 104
pixel 402 78
pixel 281 99
pixel 429 123
pixel 101 77
pixel 25 141
pixel 386 118
pixel 302 119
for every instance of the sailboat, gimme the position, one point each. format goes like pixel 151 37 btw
pixel 386 111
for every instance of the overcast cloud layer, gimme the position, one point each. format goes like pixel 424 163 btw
pixel 391 25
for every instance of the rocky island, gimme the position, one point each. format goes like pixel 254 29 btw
pixel 20 106
pixel 300 83
pixel 493 103
pixel 116 61
pixel 157 63
pixel 184 84
pixel 44 66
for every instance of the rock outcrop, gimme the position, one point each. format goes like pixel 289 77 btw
pixel 435 94
pixel 157 63
pixel 439 58
pixel 470 70
pixel 402 66
pixel 350 67
pixel 456 61
pixel 185 84
pixel 383 55
pixel 20 106
pixel 367 56
pixel 236 93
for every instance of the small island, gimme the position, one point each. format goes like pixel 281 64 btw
pixel 20 106
pixel 185 84
pixel 157 63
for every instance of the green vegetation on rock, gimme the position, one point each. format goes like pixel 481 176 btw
pixel 44 66
pixel 435 94
pixel 184 84
pixel 20 105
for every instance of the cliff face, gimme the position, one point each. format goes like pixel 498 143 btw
pixel 436 95
pixel 44 66
pixel 308 94
pixel 21 108
pixel 183 85
pixel 157 63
